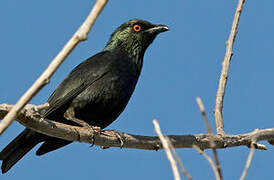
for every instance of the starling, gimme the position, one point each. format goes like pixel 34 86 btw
pixel 95 92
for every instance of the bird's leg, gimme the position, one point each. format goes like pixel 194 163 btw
pixel 70 115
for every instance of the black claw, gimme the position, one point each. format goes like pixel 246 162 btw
pixel 93 140
pixel 104 147
pixel 157 147
pixel 116 133
pixel 92 132
pixel 119 137
pixel 91 145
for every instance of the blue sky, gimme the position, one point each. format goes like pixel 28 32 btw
pixel 180 65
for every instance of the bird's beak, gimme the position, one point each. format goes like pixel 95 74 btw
pixel 158 29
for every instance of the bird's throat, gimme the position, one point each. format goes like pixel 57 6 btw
pixel 134 51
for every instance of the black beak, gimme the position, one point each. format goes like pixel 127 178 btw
pixel 158 29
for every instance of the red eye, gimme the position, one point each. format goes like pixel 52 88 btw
pixel 137 28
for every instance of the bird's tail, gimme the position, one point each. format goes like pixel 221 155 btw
pixel 22 144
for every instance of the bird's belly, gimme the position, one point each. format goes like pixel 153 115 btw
pixel 105 101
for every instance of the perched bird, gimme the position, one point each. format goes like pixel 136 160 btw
pixel 95 92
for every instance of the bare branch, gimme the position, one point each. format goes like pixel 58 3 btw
pixel 209 130
pixel 80 35
pixel 225 67
pixel 250 156
pixel 29 118
pixel 164 141
pixel 209 160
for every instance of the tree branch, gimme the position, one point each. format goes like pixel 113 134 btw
pixel 108 138
pixel 225 67
pixel 80 35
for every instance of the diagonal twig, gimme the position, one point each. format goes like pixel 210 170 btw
pixel 80 35
pixel 209 130
pixel 167 150
pixel 178 160
pixel 225 67
pixel 250 156
pixel 209 160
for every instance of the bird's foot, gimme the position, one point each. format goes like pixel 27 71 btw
pixel 70 115
pixel 93 130
pixel 118 135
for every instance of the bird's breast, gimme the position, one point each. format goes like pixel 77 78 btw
pixel 104 100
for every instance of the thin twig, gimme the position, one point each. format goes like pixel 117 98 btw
pixel 178 160
pixel 167 150
pixel 225 68
pixel 209 160
pixel 202 110
pixel 209 130
pixel 248 162
pixel 80 35
pixel 250 156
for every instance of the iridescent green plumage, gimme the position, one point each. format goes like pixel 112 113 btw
pixel 97 90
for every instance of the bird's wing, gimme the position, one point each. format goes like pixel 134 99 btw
pixel 78 80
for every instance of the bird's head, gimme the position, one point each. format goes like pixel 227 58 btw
pixel 134 36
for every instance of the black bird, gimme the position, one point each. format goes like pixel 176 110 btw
pixel 95 92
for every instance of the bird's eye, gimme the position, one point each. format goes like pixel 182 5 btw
pixel 137 28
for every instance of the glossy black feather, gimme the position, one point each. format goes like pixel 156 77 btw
pixel 98 89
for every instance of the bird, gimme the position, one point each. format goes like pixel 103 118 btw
pixel 94 93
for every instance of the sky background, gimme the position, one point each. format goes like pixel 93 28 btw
pixel 180 65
